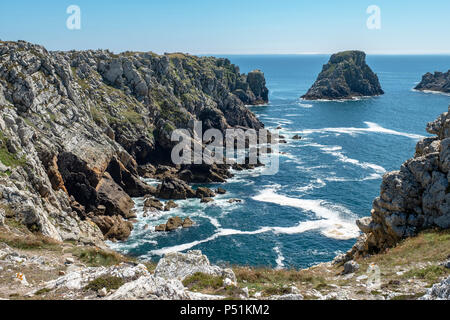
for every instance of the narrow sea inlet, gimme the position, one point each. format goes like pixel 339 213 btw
pixel 305 214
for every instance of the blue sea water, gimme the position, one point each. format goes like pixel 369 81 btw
pixel 305 214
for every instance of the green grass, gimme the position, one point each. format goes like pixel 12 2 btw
pixel 201 281
pixel 94 257
pixel 30 242
pixel 42 291
pixel 6 157
pixel 108 282
pixel 431 273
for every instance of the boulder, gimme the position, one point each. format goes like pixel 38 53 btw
pixel 173 188
pixel 182 265
pixel 439 291
pixel 202 192
pixel 174 223
pixel 297 137
pixel 206 200
pixel 221 191
pixel 151 288
pixel 113 227
pixel 114 198
pixel 128 181
pixel 350 267
pixel 153 203
pixel 170 205
pixel 187 223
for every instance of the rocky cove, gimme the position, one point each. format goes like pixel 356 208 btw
pixel 80 129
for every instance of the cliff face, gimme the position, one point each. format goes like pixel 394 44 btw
pixel 439 82
pixel 415 198
pixel 77 127
pixel 345 76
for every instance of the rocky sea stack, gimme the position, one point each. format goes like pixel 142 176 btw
pixel 79 128
pixel 345 76
pixel 437 82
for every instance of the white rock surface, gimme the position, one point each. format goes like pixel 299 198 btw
pixel 439 291
pixel 78 279
pixel 151 288
pixel 182 265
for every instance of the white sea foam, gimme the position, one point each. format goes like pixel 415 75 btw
pixel 336 152
pixel 316 184
pixel 337 221
pixel 371 127
pixel 305 105
pixel 280 258
pixel 432 92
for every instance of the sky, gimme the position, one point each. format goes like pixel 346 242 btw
pixel 232 26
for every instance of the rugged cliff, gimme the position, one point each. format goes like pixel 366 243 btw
pixel 78 128
pixel 345 76
pixel 415 198
pixel 438 82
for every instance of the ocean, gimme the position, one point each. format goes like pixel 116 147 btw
pixel 305 214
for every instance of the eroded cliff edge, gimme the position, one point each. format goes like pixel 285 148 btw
pixel 415 198
pixel 77 129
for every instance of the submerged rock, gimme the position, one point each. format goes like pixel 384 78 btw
pixel 174 223
pixel 170 205
pixel 345 76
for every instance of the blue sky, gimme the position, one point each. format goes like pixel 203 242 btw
pixel 232 26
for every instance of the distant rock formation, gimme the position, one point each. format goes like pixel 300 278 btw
pixel 345 76
pixel 438 82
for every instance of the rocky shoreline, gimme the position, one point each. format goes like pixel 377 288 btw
pixel 79 129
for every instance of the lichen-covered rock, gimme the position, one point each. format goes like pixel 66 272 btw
pixel 182 265
pixel 439 291
pixel 415 198
pixel 345 76
pixel 151 288
pixel 78 279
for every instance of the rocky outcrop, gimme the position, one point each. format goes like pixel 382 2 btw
pixel 439 291
pixel 182 265
pixel 78 128
pixel 437 82
pixel 172 188
pixel 345 76
pixel 174 223
pixel 415 198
